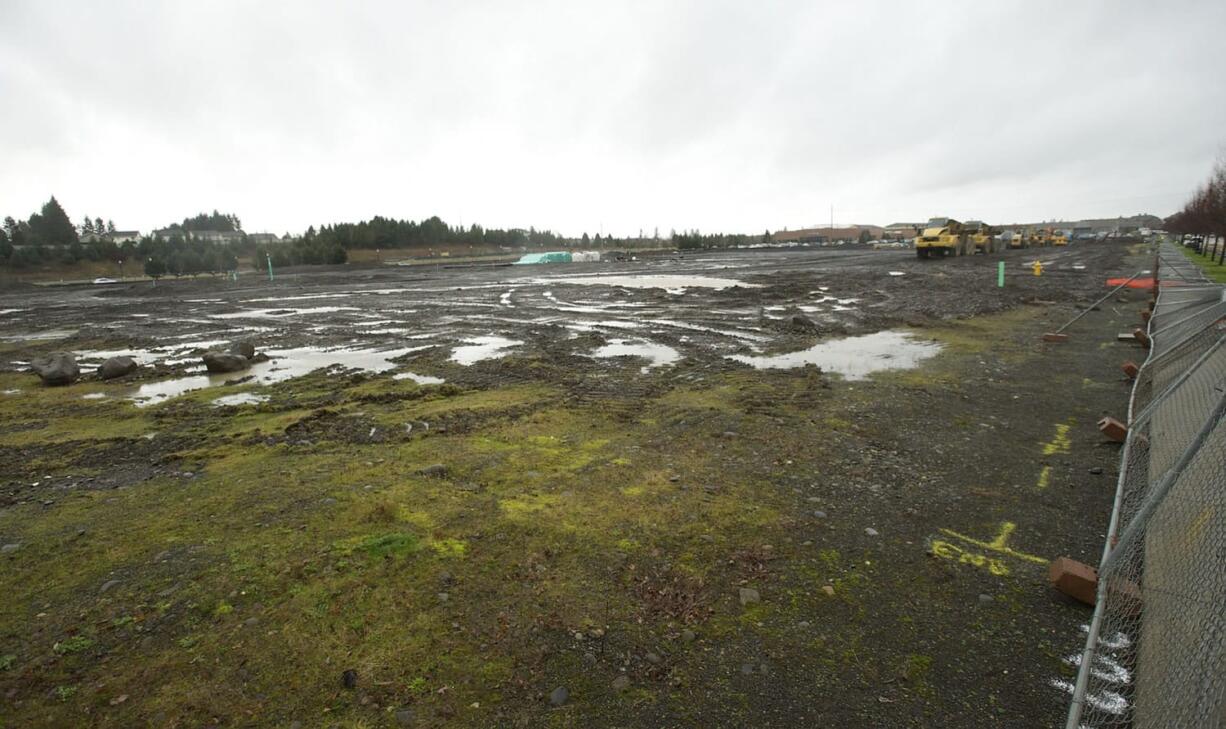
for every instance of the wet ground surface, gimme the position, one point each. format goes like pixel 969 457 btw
pixel 700 310
pixel 769 488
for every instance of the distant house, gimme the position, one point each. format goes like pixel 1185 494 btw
pixel 262 238
pixel 215 237
pixel 119 237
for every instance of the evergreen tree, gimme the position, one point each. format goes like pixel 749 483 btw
pixel 87 227
pixel 52 226
pixel 110 226
pixel 155 268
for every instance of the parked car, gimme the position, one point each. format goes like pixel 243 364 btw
pixel 105 280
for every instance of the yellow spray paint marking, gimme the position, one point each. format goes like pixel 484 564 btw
pixel 1060 443
pixel 948 550
pixel 999 544
pixel 1044 477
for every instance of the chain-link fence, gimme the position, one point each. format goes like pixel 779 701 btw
pixel 1155 655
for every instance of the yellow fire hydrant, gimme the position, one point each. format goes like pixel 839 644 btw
pixel 1037 267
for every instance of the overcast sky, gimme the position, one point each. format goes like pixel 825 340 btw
pixel 570 115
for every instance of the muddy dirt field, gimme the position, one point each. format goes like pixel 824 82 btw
pixel 762 488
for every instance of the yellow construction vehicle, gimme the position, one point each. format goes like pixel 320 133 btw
pixel 983 237
pixel 1041 238
pixel 1059 238
pixel 943 237
pixel 1018 239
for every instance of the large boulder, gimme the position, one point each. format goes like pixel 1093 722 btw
pixel 243 349
pixel 57 368
pixel 225 362
pixel 116 367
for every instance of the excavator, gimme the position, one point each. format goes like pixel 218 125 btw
pixel 983 236
pixel 943 237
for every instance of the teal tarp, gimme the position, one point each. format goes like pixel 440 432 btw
pixel 553 257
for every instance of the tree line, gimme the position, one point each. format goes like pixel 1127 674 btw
pixel 1204 214
pixel 49 236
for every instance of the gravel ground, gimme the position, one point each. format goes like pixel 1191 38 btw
pixel 662 520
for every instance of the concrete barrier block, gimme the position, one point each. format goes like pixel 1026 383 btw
pixel 1113 429
pixel 1076 579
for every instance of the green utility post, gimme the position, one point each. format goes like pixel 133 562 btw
pixel 269 257
pixel 1000 275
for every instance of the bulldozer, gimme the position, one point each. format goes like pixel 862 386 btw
pixel 1018 239
pixel 943 237
pixel 1059 238
pixel 1041 239
pixel 982 235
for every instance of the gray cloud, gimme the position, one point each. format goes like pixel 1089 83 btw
pixel 716 115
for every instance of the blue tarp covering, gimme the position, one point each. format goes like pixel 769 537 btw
pixel 552 257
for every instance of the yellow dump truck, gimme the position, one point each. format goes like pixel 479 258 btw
pixel 983 237
pixel 943 237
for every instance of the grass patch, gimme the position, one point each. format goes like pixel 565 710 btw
pixel 1214 270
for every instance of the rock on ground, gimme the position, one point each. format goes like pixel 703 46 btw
pixel 243 349
pixel 116 367
pixel 225 362
pixel 57 368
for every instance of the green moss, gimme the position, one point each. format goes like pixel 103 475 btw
pixel 75 644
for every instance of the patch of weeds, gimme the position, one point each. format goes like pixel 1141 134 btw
pixel 389 544
pixel 188 641
pixel 122 621
pixel 7 662
pixel 63 693
pixel 75 644
pixel 383 511
pixel 223 608
pixel 830 558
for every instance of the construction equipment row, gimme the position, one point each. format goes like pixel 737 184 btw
pixel 949 237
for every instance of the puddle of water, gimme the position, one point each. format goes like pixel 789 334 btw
pixel 419 379
pixel 854 357
pixel 301 297
pixel 658 355
pixel 12 392
pixel 652 281
pixel 281 312
pixel 10 311
pixel 505 300
pixel 590 326
pixel 482 348
pixel 239 398
pixel 39 336
pixel 94 396
pixel 283 365
pixel 734 333
pixel 897 273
